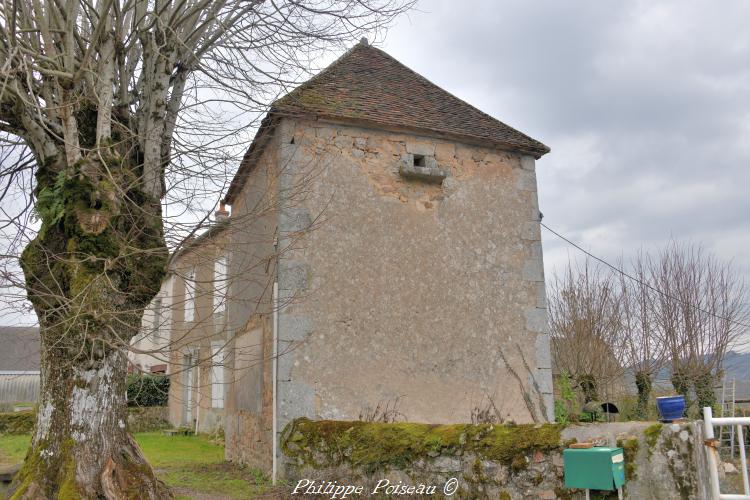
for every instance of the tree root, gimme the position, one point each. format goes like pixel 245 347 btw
pixel 117 482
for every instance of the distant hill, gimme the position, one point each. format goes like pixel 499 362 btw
pixel 736 366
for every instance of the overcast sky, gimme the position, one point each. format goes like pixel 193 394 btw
pixel 646 106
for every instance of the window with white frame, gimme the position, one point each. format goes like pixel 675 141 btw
pixel 217 374
pixel 190 295
pixel 220 284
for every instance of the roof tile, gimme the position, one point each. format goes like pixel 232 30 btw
pixel 366 84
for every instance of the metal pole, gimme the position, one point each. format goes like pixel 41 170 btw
pixel 713 471
pixel 743 459
pixel 733 414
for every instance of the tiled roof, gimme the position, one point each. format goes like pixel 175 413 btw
pixel 366 85
pixel 369 85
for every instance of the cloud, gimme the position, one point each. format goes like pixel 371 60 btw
pixel 646 106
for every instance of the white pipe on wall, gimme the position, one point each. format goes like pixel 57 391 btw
pixel 275 305
pixel 198 398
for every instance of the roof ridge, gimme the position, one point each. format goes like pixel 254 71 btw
pixel 377 87
pixel 308 83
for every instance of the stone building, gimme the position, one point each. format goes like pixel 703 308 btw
pixel 386 261
pixel 147 352
pixel 195 306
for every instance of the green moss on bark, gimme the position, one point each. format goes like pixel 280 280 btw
pixel 100 251
pixel 59 465
pixel 643 384
pixel 68 488
pixel 96 263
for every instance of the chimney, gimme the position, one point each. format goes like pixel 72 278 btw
pixel 222 214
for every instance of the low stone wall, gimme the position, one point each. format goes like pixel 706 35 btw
pixel 140 419
pixel 20 422
pixel 148 418
pixel 507 462
pixel 211 420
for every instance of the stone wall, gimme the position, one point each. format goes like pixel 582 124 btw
pixel 147 418
pixel 663 462
pixel 252 272
pixel 428 294
pixel 431 288
pixel 248 427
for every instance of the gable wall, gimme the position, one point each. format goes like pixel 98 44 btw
pixel 430 297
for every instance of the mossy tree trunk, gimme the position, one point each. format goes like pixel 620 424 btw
pixel 681 382
pixel 643 384
pixel 703 383
pixel 80 448
pixel 94 90
pixel 96 263
pixel 589 387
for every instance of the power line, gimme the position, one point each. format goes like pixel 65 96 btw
pixel 644 283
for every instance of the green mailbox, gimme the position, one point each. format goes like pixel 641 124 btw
pixel 598 468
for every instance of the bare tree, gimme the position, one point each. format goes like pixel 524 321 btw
pixel 700 313
pixel 640 348
pixel 585 325
pixel 100 108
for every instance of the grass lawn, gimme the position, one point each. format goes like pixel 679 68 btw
pixel 192 465
pixel 13 449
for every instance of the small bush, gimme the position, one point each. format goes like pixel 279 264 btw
pixel 148 390
pixel 566 408
pixel 21 422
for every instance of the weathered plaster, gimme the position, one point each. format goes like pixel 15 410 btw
pixel 253 242
pixel 389 288
pixel 429 293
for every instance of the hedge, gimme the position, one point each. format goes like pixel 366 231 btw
pixel 148 390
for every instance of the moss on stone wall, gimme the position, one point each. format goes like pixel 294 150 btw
pixel 681 462
pixel 374 446
pixel 630 451
pixel 21 422
pixel 652 434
